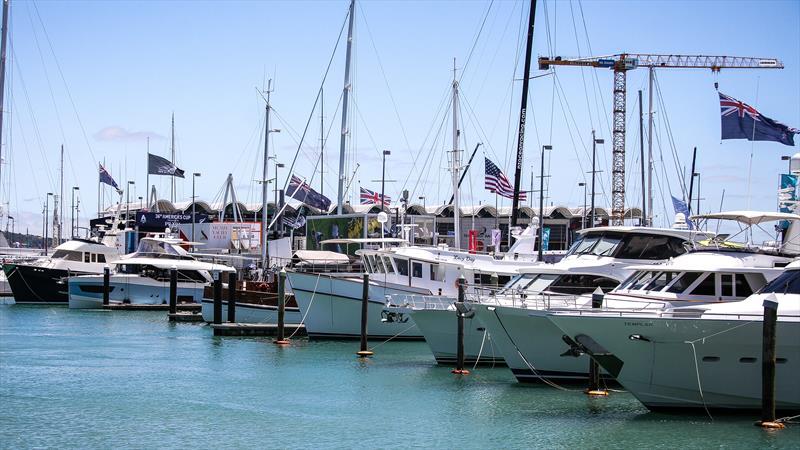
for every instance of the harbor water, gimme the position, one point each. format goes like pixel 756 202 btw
pixel 106 379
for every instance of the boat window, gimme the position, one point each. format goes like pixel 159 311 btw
pixel 416 269
pixel 743 288
pixel 608 245
pixel 435 274
pixel 540 283
pixel 581 284
pixel 86 257
pixel 630 280
pixel 650 247
pixel 387 263
pixel 190 275
pixel 380 263
pixel 583 245
pixel 660 282
pixel 402 266
pixel 726 285
pixel 94 257
pixel 706 286
pixel 645 278
pixel 67 255
pixel 367 263
pixel 786 283
pixel 684 281
pixel 101 258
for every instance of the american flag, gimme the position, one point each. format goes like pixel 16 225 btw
pixel 497 182
pixel 373 198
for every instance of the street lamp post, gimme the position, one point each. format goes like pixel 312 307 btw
pixel 72 212
pixel 787 158
pixel 422 197
pixel 541 205
pixel 583 215
pixel 383 179
pixel 46 219
pixel 194 176
pixel 127 203
pixel 697 174
pixel 594 170
pixel 277 166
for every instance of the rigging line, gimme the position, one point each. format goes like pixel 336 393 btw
pixel 582 69
pixel 383 74
pixel 369 134
pixel 64 81
pixel 475 41
pixel 33 168
pixel 472 117
pixel 432 152
pixel 34 123
pixel 319 93
pixel 444 103
pixel 664 175
pixel 670 137
pixel 596 88
pixel 491 63
pixel 569 130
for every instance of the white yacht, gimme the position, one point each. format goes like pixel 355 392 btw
pixel 44 280
pixel 599 257
pixel 716 270
pixel 331 302
pixel 700 356
pixel 143 277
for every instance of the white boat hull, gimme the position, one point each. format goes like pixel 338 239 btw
pixel 440 329
pixel 331 306
pixel 666 372
pixel 86 292
pixel 251 313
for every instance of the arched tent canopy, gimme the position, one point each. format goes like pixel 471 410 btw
pixel 444 211
pixel 165 205
pixel 633 213
pixel 525 212
pixel 558 212
pixel 368 209
pixel 228 212
pixel 416 210
pixel 347 208
pixel 200 207
pixel 478 211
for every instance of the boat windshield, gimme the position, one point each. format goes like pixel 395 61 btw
pixel 67 255
pixel 530 283
pixel 578 284
pixel 159 249
pixel 786 283
pixel 598 244
pixel 628 246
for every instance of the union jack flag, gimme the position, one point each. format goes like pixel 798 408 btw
pixel 373 198
pixel 497 182
pixel 730 105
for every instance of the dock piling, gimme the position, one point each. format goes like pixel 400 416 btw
pixel 364 352
pixel 217 298
pixel 106 284
pixel 232 297
pixel 459 370
pixel 281 340
pixel 173 290
pixel 594 369
pixel 768 364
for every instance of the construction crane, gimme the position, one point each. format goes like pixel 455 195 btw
pixel 621 64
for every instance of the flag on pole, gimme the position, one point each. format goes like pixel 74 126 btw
pixel 680 206
pixel 105 177
pixel 373 198
pixel 157 165
pixel 497 182
pixel 742 121
pixel 294 222
pixel 300 190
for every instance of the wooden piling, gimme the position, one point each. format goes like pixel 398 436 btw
pixel 173 290
pixel 217 298
pixel 768 364
pixel 106 285
pixel 232 297
pixel 594 369
pixel 364 352
pixel 461 282
pixel 281 340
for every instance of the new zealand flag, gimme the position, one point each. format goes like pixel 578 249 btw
pixel 300 190
pixel 742 121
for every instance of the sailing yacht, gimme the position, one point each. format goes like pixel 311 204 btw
pixel 698 356
pixel 143 277
pixel 600 257
pixel 715 270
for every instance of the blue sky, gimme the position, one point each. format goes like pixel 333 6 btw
pixel 118 70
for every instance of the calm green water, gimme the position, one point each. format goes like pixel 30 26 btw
pixel 96 379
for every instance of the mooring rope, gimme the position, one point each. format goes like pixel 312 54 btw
pixel 480 350
pixel 310 303
pixel 398 334
pixel 699 384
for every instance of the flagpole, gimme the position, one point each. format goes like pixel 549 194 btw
pixel 752 145
pixel 98 191
pixel 148 172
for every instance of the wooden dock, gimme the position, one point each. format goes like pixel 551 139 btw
pixel 256 329
pixel 187 307
pixel 193 316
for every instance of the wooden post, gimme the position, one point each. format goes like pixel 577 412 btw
pixel 461 282
pixel 594 368
pixel 173 290
pixel 281 340
pixel 364 352
pixel 232 297
pixel 106 284
pixel 768 364
pixel 217 298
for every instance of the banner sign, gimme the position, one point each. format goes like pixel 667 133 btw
pixel 164 220
pixel 545 239
pixel 787 197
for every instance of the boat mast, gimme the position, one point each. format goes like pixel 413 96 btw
pixel 265 174
pixel 650 150
pixel 345 98
pixel 321 142
pixel 172 191
pixel 60 197
pixel 456 165
pixel 522 116
pixel 3 80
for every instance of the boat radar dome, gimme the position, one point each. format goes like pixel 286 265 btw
pixel 680 222
pixel 794 164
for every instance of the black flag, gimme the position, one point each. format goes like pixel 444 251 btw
pixel 157 165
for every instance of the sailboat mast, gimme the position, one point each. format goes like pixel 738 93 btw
pixel 650 149
pixel 264 249
pixel 321 141
pixel 456 166
pixel 3 80
pixel 61 195
pixel 345 103
pixel 172 192
pixel 522 116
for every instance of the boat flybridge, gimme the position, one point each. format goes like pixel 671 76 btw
pixel 693 358
pixel 143 276
pixel 331 302
pixel 716 269
pixel 599 257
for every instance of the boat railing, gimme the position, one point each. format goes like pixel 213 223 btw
pixel 419 302
pixel 525 300
pixel 671 314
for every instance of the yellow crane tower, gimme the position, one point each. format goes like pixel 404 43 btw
pixel 621 64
